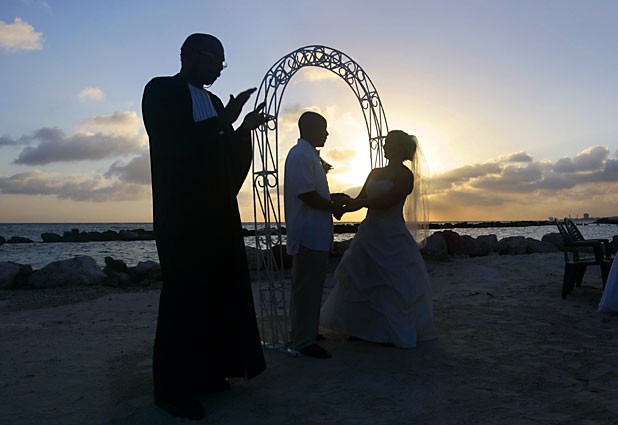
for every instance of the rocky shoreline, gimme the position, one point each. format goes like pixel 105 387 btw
pixel 84 270
pixel 140 234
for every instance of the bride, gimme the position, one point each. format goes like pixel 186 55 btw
pixel 382 292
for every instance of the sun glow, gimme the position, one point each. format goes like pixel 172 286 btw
pixel 348 152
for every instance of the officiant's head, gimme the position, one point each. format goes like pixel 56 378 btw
pixel 398 143
pixel 202 59
pixel 312 128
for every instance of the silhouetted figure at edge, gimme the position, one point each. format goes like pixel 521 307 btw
pixel 206 328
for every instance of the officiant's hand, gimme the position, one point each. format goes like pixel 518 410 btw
pixel 255 118
pixel 234 106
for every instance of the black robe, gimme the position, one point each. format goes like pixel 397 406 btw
pixel 206 327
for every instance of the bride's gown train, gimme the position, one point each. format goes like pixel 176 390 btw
pixel 609 299
pixel 382 292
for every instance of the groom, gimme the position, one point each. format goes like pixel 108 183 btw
pixel 309 225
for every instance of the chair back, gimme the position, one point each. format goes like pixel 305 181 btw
pixel 569 250
pixel 566 237
pixel 572 229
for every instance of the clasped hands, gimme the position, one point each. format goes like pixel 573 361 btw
pixel 341 203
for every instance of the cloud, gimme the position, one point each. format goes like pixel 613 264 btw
pixel 516 157
pixel 313 74
pixel 136 171
pixel 463 174
pixel 520 173
pixel 468 197
pixel 100 189
pixel 100 137
pixel 564 165
pixel 19 35
pixel 29 183
pixel 91 93
pixel 55 146
pixel 291 113
pixel 7 141
pixel 590 159
pixel 127 124
pixel 339 154
pixel 104 136
pixel 512 179
pixel 85 188
pixel 553 181
pixel 517 181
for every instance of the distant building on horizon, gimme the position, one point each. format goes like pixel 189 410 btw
pixel 586 216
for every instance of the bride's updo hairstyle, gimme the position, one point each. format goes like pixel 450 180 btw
pixel 407 142
pixel 416 210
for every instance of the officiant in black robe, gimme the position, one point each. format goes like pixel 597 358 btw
pixel 206 327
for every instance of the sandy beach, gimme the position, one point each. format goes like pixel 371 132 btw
pixel 510 351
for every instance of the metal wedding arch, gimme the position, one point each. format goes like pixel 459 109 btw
pixel 266 194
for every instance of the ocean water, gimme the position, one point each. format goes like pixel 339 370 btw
pixel 38 254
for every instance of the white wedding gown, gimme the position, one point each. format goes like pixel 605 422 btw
pixel 382 292
pixel 609 299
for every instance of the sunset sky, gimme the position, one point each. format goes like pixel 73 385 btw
pixel 515 103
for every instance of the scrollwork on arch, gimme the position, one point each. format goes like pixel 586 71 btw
pixel 272 89
pixel 266 190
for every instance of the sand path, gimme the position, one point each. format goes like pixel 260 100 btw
pixel 510 351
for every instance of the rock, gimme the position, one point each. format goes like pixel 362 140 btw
pixel 472 246
pixel 148 267
pixel 110 235
pixel 534 245
pixel 77 271
pixel 145 273
pixel 260 259
pixel 555 239
pixel 13 275
pixel 455 243
pixel 488 243
pixel 2 240
pixel 114 266
pixel 512 245
pixel 345 228
pixel 51 237
pixel 281 256
pixel 252 257
pixel 8 271
pixel 93 236
pixel 128 235
pixel 340 247
pixel 74 236
pixel 19 239
pixel 117 279
pixel 435 246
pixel 145 235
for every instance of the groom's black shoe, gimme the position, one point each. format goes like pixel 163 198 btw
pixel 188 407
pixel 314 350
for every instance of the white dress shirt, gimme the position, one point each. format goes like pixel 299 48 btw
pixel 307 226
